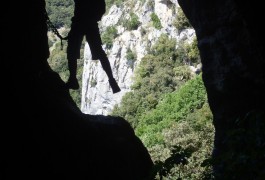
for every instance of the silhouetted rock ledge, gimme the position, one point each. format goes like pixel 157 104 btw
pixel 55 139
pixel 44 135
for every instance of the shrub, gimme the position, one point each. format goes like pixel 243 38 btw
pixel 181 22
pixel 193 51
pixel 143 31
pixel 93 82
pixel 132 23
pixel 108 36
pixel 174 107
pixel 156 21
pixel 110 3
pixel 131 57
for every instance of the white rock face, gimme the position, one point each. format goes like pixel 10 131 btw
pixel 112 17
pixel 97 96
pixel 164 12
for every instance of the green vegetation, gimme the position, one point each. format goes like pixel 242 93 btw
pixel 179 132
pixel 151 4
pixel 173 108
pixel 189 52
pixel 60 12
pixel 110 3
pixel 131 57
pixel 143 31
pixel 167 106
pixel 93 82
pixel 132 23
pixel 181 22
pixel 108 36
pixel 156 21
pixel 59 63
pixel 190 143
pixel 169 111
pixel 155 76
pixel 193 51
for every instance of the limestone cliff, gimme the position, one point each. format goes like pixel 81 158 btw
pixel 97 97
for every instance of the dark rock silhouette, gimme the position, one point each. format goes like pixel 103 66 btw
pixel 231 45
pixel 43 133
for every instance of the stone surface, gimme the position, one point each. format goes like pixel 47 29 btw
pixel 99 99
pixel 231 46
pixel 44 134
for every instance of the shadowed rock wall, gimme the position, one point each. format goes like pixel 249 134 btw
pixel 231 44
pixel 43 133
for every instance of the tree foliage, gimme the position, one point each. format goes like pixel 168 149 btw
pixel 173 108
pixel 154 77
pixel 168 109
pixel 181 22
pixel 60 12
pixel 108 36
pixel 132 23
pixel 179 133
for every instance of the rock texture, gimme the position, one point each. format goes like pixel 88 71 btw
pixel 231 45
pixel 44 135
pixel 97 97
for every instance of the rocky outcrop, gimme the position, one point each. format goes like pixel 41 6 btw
pixel 97 97
pixel 43 133
pixel 231 45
